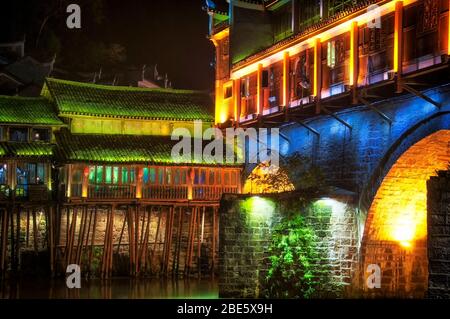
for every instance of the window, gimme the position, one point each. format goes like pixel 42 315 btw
pixel 40 135
pixel 18 134
pixel 168 176
pixel 30 173
pixel 265 79
pixel 211 177
pixel 3 174
pixel 228 93
pixel 108 174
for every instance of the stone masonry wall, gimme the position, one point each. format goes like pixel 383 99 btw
pixel 439 236
pixel 245 237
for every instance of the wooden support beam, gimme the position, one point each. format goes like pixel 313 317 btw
pixel 375 109
pixel 420 94
pixel 314 131
pixel 337 118
pixel 259 90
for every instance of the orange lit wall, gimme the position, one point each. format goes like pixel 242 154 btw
pixel 396 226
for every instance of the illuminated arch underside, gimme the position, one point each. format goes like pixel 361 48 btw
pixel 396 227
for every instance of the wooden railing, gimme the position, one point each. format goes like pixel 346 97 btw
pixel 155 192
pixel 33 193
pixel 165 192
pixel 112 191
pixel 204 192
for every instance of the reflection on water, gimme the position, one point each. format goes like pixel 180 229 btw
pixel 119 288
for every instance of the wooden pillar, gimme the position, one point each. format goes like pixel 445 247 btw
pixel 69 181
pixel 285 102
pixel 237 101
pixel 139 183
pixel 51 242
pixel 259 90
pixel 4 239
pixel 85 184
pixel 354 55
pixel 317 73
pixel 398 43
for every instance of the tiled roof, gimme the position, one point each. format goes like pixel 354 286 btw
pixel 33 111
pixel 19 149
pixel 73 98
pixel 118 149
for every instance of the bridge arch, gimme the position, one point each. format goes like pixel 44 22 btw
pixel 395 234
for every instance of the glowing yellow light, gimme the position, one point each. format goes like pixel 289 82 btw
pixel 353 51
pixel 399 209
pixel 398 34
pixel 259 89
pixel 261 181
pixel 285 78
pixel 307 41
pixel 317 48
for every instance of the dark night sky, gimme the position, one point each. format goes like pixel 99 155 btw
pixel 171 33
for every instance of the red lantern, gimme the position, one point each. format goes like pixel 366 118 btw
pixel 86 171
pixel 192 174
pixel 140 173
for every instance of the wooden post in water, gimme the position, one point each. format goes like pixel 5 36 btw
pixel 91 252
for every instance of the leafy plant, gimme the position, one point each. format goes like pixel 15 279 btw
pixel 298 267
pixel 293 250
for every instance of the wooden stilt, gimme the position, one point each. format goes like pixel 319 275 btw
pixel 35 232
pixel 176 260
pixel 27 239
pixel 86 244
pixel 169 239
pixel 153 254
pixel 13 245
pixel 213 249
pixel 73 226
pixel 136 239
pixel 146 237
pixel 105 246
pixel 4 240
pixel 17 261
pixel 111 243
pixel 200 220
pixel 81 236
pixel 91 252
pixel 131 240
pixel 51 243
pixel 121 232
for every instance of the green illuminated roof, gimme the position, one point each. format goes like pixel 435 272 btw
pixel 32 111
pixel 19 149
pixel 118 149
pixel 73 98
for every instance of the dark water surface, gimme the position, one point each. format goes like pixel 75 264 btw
pixel 118 288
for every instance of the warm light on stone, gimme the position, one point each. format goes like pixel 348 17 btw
pixel 396 228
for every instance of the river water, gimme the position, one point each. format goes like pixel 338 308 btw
pixel 118 288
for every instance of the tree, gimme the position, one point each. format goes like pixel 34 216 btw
pixel 294 173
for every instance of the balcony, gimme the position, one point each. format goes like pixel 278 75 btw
pixel 104 191
pixel 165 192
pixel 212 192
pixel 32 193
